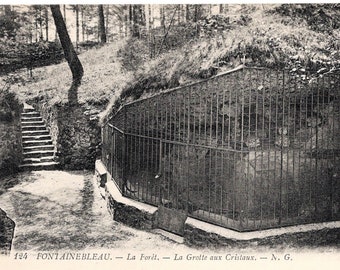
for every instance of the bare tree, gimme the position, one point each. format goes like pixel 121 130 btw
pixel 70 54
pixel 101 24
pixel 46 23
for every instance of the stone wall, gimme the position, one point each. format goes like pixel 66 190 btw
pixel 10 133
pixel 6 233
pixel 75 132
pixel 129 215
pixel 313 238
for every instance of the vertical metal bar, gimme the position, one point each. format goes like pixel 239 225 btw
pixel 293 143
pixel 216 151
pixel 310 115
pixel 205 115
pixel 148 153
pixel 248 73
pixel 276 215
pixel 193 110
pixel 161 170
pixel 271 211
pixel 188 111
pixel 200 116
pixel 102 129
pixel 171 112
pixel 223 117
pixel 180 99
pixel 299 144
pixel 315 187
pixel 112 153
pixel 330 121
pixel 281 151
pixel 211 112
pixel 288 125
pixel 124 162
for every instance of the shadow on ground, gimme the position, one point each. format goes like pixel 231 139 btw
pixel 57 211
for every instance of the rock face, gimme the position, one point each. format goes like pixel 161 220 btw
pixel 75 132
pixel 6 233
pixel 10 133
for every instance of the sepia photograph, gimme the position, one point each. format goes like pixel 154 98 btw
pixel 169 135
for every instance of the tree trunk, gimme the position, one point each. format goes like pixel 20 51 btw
pixel 221 9
pixel 197 14
pixel 162 17
pixel 179 14
pixel 130 18
pixel 187 13
pixel 126 19
pixel 64 8
pixel 183 18
pixel 107 11
pixel 101 24
pixel 36 24
pixel 150 18
pixel 8 10
pixel 40 24
pixel 46 23
pixel 69 53
pixel 82 24
pixel 77 25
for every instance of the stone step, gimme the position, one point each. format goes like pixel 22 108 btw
pixel 37 142
pixel 38 154
pixel 33 160
pixel 28 109
pixel 34 127
pixel 32 123
pixel 34 132
pixel 38 147
pixel 51 165
pixel 35 138
pixel 30 114
pixel 29 119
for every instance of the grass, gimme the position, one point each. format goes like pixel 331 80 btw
pixel 103 79
pixel 268 40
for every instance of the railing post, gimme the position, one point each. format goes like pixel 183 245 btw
pixel 160 173
pixel 102 143
pixel 123 162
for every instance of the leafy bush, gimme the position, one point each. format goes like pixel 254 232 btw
pixel 15 55
pixel 319 17
pixel 133 54
pixel 9 105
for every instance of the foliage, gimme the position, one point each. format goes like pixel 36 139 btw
pixel 319 17
pixel 256 37
pixel 9 25
pixel 133 54
pixel 16 55
pixel 9 104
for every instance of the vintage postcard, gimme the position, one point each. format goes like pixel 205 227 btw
pixel 169 135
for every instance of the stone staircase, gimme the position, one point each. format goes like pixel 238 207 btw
pixel 38 149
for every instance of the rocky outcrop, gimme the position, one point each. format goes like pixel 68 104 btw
pixel 75 132
pixel 6 233
pixel 10 133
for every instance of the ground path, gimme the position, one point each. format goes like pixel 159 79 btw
pixel 56 210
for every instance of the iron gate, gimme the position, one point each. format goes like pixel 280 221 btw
pixel 250 149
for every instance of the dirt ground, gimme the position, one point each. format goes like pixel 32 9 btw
pixel 55 210
pixel 59 212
